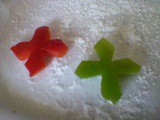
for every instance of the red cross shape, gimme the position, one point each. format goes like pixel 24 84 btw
pixel 38 49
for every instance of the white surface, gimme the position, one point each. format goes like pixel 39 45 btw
pixel 57 93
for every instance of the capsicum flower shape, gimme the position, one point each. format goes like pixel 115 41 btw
pixel 108 69
pixel 38 49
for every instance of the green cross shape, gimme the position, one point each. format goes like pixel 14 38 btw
pixel 108 69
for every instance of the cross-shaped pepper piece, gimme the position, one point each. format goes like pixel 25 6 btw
pixel 38 49
pixel 108 69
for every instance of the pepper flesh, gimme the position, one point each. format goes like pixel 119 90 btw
pixel 38 49
pixel 22 50
pixel 108 69
pixel 55 48
pixel 35 63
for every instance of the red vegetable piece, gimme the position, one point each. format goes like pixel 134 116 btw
pixel 22 50
pixel 41 35
pixel 56 47
pixel 38 50
pixel 35 63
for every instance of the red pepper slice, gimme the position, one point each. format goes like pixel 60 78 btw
pixel 22 50
pixel 35 63
pixel 41 36
pixel 38 49
pixel 56 47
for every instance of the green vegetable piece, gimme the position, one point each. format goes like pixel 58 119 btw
pixel 125 67
pixel 108 69
pixel 105 50
pixel 110 88
pixel 89 69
